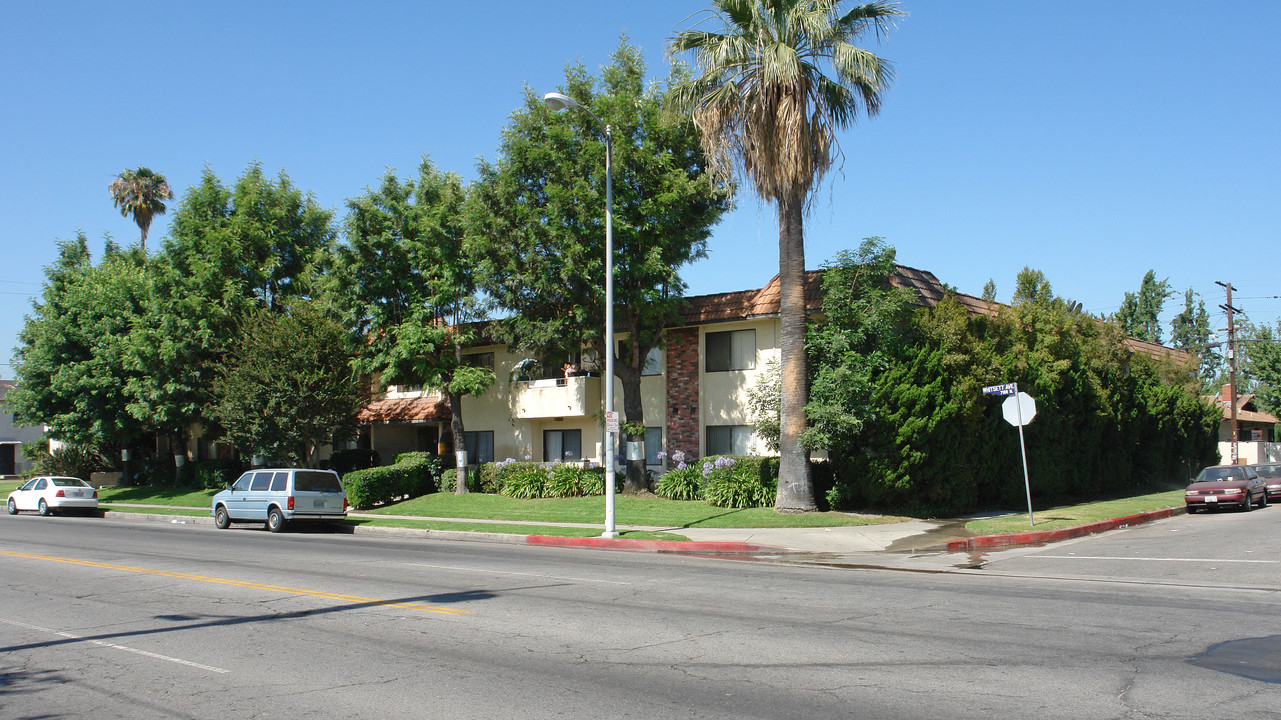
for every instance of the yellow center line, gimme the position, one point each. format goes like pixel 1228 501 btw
pixel 242 583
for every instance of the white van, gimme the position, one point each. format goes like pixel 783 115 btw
pixel 277 495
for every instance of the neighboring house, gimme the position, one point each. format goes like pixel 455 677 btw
pixel 694 390
pixel 1256 430
pixel 12 462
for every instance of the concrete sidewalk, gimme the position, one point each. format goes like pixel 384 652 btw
pixel 926 545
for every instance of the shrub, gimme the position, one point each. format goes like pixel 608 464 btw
pixel 345 461
pixel 413 474
pixel 744 482
pixel 526 484
pixel 210 474
pixel 681 484
pixel 71 460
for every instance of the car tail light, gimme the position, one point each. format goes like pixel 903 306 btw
pixel 95 494
pixel 344 504
pixel 291 502
pixel 60 494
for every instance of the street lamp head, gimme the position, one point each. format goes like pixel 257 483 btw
pixel 557 101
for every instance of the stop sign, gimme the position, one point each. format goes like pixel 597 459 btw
pixel 1018 405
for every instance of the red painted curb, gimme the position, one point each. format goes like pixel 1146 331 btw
pixel 1045 536
pixel 691 547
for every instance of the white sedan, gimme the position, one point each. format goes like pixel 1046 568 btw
pixel 49 493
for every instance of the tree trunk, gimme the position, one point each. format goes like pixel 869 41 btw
pixel 460 440
pixel 795 488
pixel 633 414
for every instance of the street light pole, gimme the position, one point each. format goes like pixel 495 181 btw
pixel 557 102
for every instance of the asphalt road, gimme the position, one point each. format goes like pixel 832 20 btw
pixel 102 618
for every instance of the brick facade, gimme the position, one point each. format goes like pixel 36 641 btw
pixel 682 392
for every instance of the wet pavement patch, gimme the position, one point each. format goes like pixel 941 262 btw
pixel 1253 658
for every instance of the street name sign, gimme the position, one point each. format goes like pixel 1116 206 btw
pixel 1004 389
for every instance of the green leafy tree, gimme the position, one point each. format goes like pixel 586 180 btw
pixel 70 363
pixel 1190 330
pixel 406 286
pixel 1262 364
pixel 778 79
pixel 230 253
pixel 287 386
pixel 1140 313
pixel 537 219
pixel 853 345
pixel 141 194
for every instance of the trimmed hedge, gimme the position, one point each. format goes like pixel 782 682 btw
pixel 210 474
pixel 345 461
pixel 413 474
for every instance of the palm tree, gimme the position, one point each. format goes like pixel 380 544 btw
pixel 778 79
pixel 139 193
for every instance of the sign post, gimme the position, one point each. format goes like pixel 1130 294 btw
pixel 1018 409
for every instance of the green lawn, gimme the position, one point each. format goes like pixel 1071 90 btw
pixel 1070 515
pixel 629 510
pixel 157 496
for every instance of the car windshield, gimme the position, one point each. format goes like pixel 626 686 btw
pixel 1269 470
pixel 315 481
pixel 68 482
pixel 1216 474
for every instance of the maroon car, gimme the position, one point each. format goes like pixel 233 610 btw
pixel 1236 486
pixel 1271 474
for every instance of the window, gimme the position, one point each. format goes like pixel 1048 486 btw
pixel 653 444
pixel 728 439
pixel 479 445
pixel 280 483
pixel 731 350
pixel 242 483
pixel 262 481
pixel 653 359
pixel 480 360
pixel 565 445
pixel 653 362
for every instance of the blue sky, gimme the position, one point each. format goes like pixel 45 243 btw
pixel 1091 143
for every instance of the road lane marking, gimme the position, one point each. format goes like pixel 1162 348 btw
pixel 512 572
pixel 113 646
pixel 1157 559
pixel 243 584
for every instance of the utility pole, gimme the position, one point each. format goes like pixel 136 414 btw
pixel 1232 365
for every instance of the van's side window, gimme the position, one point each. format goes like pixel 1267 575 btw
pixel 262 481
pixel 280 483
pixel 242 483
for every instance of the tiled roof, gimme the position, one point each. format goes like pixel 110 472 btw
pixel 744 304
pixel 403 410
pixel 929 292
pixel 1252 414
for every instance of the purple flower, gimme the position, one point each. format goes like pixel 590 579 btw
pixel 662 454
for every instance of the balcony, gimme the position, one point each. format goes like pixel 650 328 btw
pixel 557 397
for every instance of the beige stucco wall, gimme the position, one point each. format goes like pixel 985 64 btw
pixel 723 395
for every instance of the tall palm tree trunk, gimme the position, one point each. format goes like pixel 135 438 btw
pixel 795 491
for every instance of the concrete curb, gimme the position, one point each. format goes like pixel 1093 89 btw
pixel 685 547
pixel 678 547
pixel 1047 536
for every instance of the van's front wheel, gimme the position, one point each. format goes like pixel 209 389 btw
pixel 222 520
pixel 275 520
